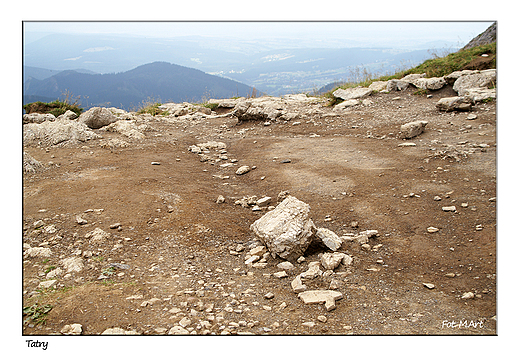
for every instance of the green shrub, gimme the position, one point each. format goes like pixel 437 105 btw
pixel 55 108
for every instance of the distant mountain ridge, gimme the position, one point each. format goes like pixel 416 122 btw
pixel 157 81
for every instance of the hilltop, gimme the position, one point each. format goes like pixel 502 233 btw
pixel 158 81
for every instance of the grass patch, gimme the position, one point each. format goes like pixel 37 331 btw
pixel 36 314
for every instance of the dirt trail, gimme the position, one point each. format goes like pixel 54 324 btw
pixel 175 240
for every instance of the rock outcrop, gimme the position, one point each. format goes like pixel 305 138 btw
pixel 97 117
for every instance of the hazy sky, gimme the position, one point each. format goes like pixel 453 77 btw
pixel 370 31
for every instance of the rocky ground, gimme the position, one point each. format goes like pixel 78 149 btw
pixel 123 234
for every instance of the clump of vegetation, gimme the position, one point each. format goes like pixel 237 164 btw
pixel 56 108
pixel 36 314
pixel 151 107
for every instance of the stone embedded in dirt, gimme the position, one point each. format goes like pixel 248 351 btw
pixel 60 132
pixel 37 118
pixel 352 93
pixel 331 261
pixel 396 85
pixel 30 164
pixel 432 229
pixel 38 252
pixel 412 129
pixel 313 271
pixel 287 230
pixel 449 208
pixel 468 295
pixel 47 284
pixel 243 170
pixel 97 236
pixel 97 117
pixel 453 103
pixel 118 331
pixel 433 83
pixel 483 79
pixel 73 329
pixel 328 297
pixel 361 237
pixel 329 238
pixel 221 199
pixel 286 266
pixel 264 201
pixel 280 274
pixel 80 220
pixel 72 264
pixel 297 285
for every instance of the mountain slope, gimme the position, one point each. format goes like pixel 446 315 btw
pixel 160 81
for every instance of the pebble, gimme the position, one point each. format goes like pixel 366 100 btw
pixel 243 170
pixel 472 117
pixel 74 329
pixel 309 324
pixel 221 199
pixel 437 198
pixel 468 295
pixel 449 209
pixel 269 295
pixel 429 285
pixel 322 318
pixel 80 220
pixel 286 266
pixel 155 163
pixel 115 225
pixel 281 274
pixel 432 229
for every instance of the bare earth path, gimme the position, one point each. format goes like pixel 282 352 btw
pixel 169 264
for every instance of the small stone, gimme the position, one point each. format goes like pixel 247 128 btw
pixel 221 199
pixel 329 238
pixel 464 205
pixel 468 295
pixel 328 297
pixel 178 330
pixel 38 224
pixel 243 170
pixel 74 329
pixel 366 246
pixel 354 224
pixel 269 295
pixel 449 209
pixel 432 229
pixel 280 274
pixel 437 198
pixel 472 117
pixel 80 220
pixel 429 285
pixel 450 275
pixel 297 285
pixel 331 261
pixel 286 266
pixel 264 201
pixel 309 324
pixel 155 163
pixel 322 318
pixel 185 322
pixel 47 284
pixel 115 226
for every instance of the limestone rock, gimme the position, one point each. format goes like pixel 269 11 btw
pixel 97 117
pixel 47 284
pixel 331 261
pixel 328 297
pixel 69 115
pixel 412 129
pixel 346 104
pixel 474 95
pixel 178 330
pixel 287 230
pixel 313 271
pixel 60 132
pixel 433 83
pixel 453 103
pixel 37 118
pixel 243 170
pixel 128 128
pixel 352 93
pixel 30 165
pixel 74 329
pixel 297 285
pixel 482 79
pixel 38 252
pixel 377 86
pixel 329 238
pixel 97 236
pixel 396 85
pixel 72 264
